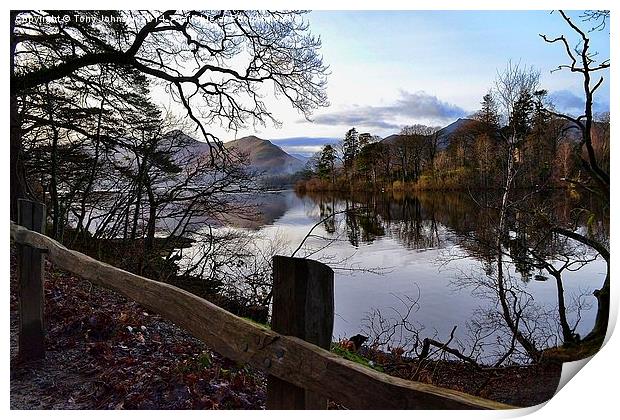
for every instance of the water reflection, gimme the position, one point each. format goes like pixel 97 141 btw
pixel 439 248
pixel 435 220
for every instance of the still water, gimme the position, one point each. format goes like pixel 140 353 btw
pixel 389 251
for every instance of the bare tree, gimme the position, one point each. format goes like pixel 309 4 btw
pixel 585 62
pixel 512 84
pixel 216 64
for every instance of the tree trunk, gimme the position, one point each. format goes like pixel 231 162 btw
pixel 602 314
pixel 567 334
pixel 91 178
pixel 527 345
pixel 136 213
pixel 150 227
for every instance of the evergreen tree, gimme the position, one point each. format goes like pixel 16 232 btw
pixel 521 118
pixel 326 163
pixel 488 113
pixel 350 149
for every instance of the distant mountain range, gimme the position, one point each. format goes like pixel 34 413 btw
pixel 273 160
pixel 270 159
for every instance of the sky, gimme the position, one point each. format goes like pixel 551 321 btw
pixel 394 68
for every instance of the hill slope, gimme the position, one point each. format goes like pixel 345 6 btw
pixel 262 155
pixel 265 156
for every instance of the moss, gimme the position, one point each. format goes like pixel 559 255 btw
pixel 353 357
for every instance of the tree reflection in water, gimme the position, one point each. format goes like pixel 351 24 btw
pixel 509 250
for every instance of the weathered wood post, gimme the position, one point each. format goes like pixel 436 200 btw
pixel 30 273
pixel 303 306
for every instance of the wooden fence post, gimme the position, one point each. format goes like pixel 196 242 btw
pixel 30 273
pixel 303 306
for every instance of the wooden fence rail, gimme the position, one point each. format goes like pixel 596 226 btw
pixel 290 359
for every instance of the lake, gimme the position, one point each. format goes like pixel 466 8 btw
pixel 391 251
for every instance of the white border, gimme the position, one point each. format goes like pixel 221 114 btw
pixel 591 395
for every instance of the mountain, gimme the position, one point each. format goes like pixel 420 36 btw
pixel 262 155
pixel 192 147
pixel 389 140
pixel 446 133
pixel 265 156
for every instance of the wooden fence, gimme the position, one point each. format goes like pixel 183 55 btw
pixel 302 373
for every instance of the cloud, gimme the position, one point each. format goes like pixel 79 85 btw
pixel 423 105
pixel 409 106
pixel 365 118
pixel 567 102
